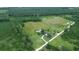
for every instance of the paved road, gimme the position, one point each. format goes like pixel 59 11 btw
pixel 58 34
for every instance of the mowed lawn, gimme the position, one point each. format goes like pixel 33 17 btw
pixel 48 22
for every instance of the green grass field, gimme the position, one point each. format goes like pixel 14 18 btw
pixel 52 23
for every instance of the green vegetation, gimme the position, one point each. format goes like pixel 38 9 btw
pixel 42 11
pixel 10 39
pixel 50 24
pixel 21 29
pixel 69 40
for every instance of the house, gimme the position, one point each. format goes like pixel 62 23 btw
pixel 40 31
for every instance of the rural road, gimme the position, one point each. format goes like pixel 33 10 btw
pixel 58 34
pixel 49 41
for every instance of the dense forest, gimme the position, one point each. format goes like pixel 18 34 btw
pixel 22 11
pixel 42 11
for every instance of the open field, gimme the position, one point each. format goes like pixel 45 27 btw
pixel 50 24
pixel 27 29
